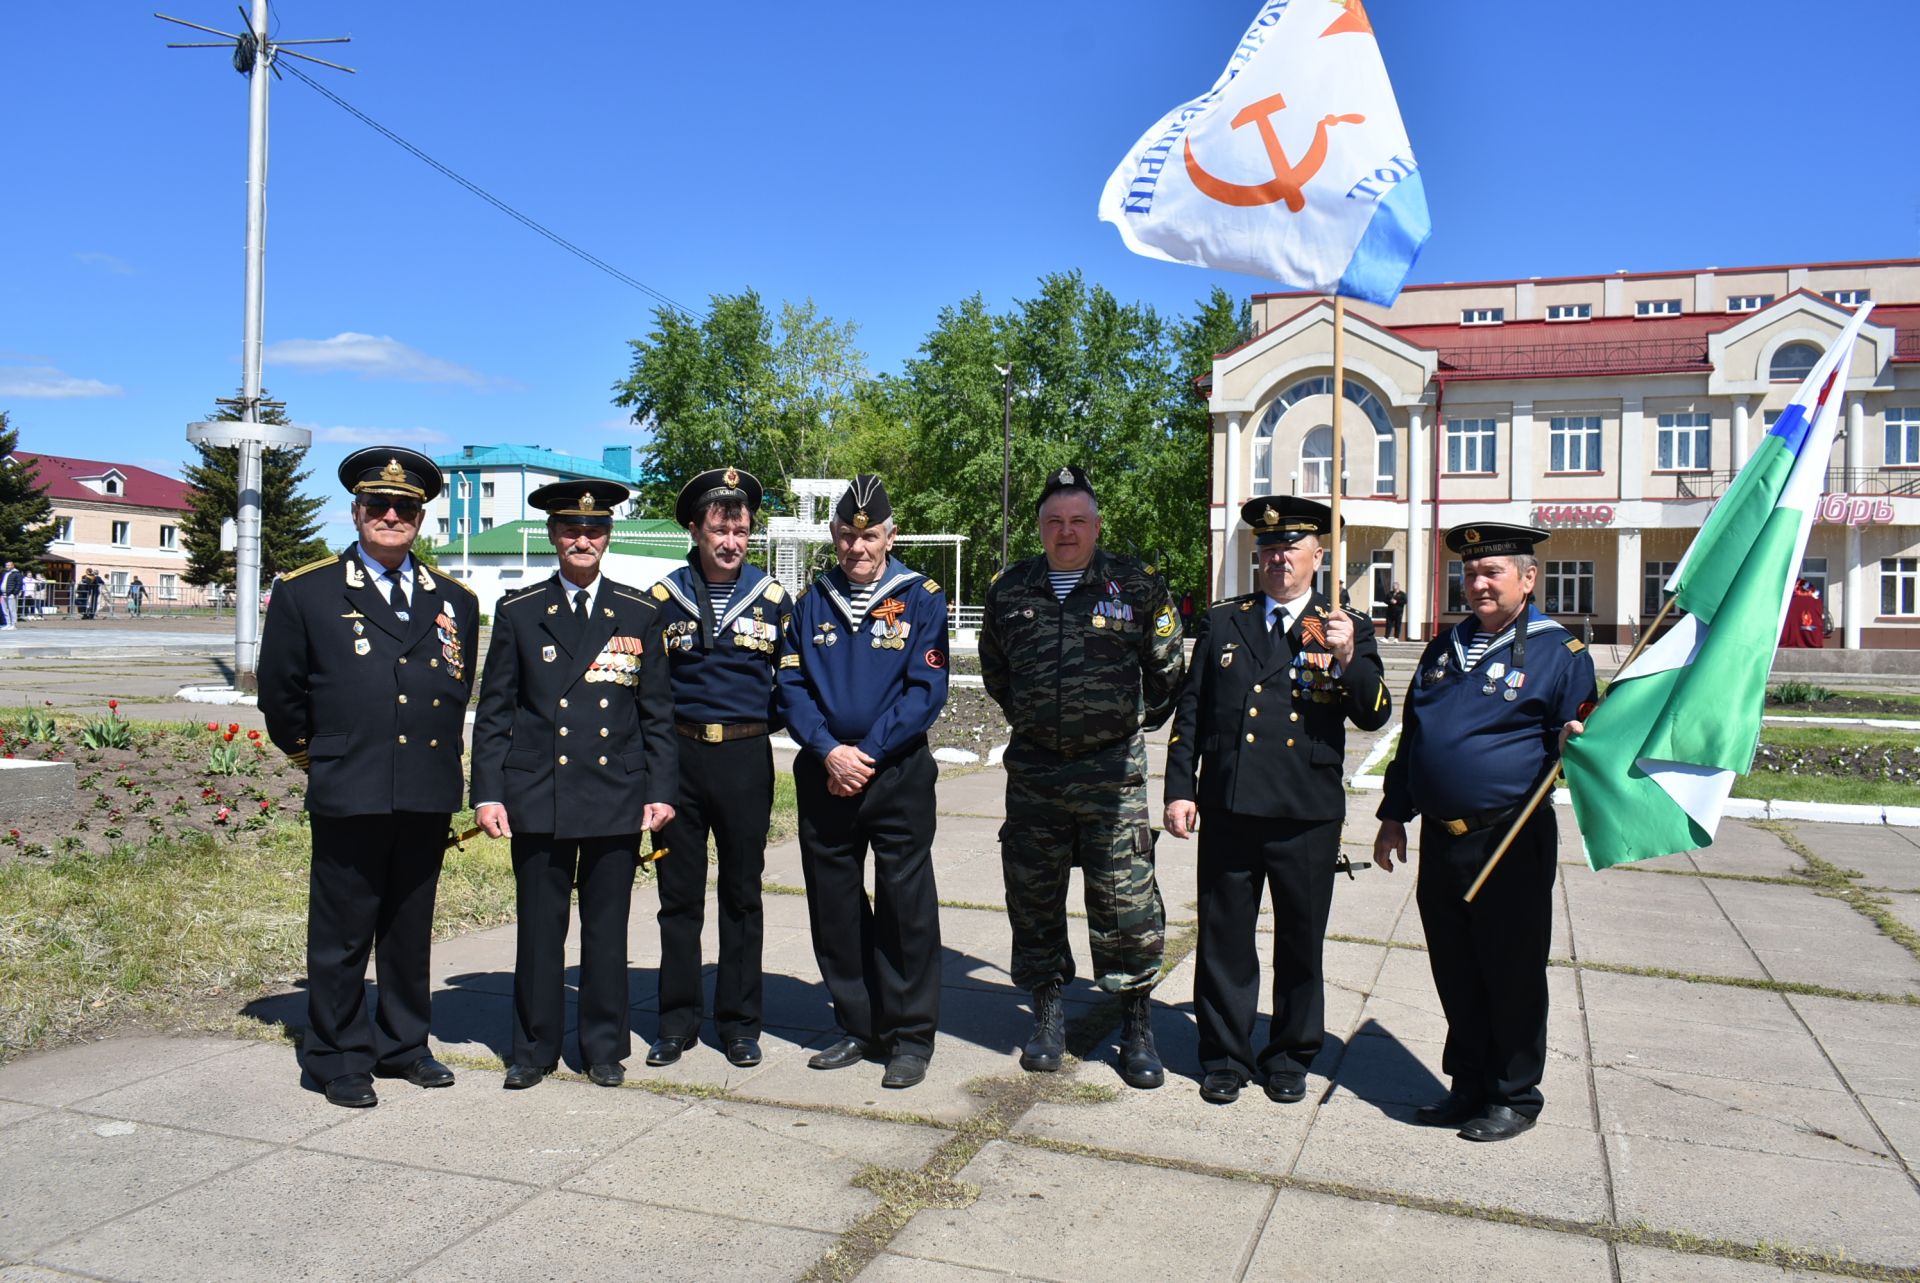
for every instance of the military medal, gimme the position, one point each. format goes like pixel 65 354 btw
pixel 1515 680
pixel 548 653
pixel 358 628
pixel 888 632
pixel 361 646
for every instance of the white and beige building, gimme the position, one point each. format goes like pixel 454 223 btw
pixel 1612 409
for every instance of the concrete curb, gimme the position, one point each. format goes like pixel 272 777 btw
pixel 1750 808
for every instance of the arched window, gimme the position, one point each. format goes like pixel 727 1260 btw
pixel 1794 362
pixel 1316 462
pixel 1384 453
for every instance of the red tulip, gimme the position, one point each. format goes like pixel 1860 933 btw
pixel 233 728
pixel 213 726
pixel 265 805
pixel 221 816
pixel 228 737
pixel 253 735
pixel 113 703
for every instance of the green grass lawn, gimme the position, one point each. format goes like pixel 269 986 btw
pixel 1825 788
pixel 1834 737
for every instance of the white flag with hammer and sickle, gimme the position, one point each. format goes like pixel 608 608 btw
pixel 1294 166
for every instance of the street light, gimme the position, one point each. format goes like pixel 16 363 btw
pixel 1006 453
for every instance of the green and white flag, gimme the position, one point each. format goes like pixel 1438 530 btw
pixel 1652 773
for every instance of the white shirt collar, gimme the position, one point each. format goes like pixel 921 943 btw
pixel 1290 611
pixel 572 589
pixel 403 573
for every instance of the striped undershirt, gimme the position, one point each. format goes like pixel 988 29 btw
pixel 720 595
pixel 1477 648
pixel 1063 582
pixel 859 597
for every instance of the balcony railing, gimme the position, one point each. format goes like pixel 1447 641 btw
pixel 1624 356
pixel 1864 481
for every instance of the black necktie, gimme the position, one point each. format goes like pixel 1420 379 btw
pixel 397 597
pixel 580 614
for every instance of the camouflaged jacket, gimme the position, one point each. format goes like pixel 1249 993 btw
pixel 1077 675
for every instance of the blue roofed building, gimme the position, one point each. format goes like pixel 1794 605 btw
pixel 484 486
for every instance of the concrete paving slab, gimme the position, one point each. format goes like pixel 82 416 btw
pixel 1865 1212
pixel 1688 1002
pixel 1410 1008
pixel 33 1274
pixel 536 1137
pixel 1315 1238
pixel 706 1064
pixel 1083 1215
pixel 1882 855
pixel 1739 847
pixel 87 1069
pixel 1653 1265
pixel 264 1221
pixel 1389 1071
pixel 253 1094
pixel 562 1235
pixel 1664 922
pixel 83 1171
pixel 981 792
pixel 1876 1045
pixel 1732 1050
pixel 1554 1170
pixel 12 1111
pixel 759 1162
pixel 1766 1118
pixel 1905 906
pixel 1900 1120
pixel 1372 904
pixel 888 1268
pixel 1807 938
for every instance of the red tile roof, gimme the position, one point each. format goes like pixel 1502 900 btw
pixel 142 488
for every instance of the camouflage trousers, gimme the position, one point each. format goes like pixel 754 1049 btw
pixel 1089 811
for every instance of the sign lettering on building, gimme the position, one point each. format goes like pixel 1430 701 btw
pixel 1855 510
pixel 1598 514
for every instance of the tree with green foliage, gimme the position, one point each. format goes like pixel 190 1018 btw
pixel 289 519
pixel 26 514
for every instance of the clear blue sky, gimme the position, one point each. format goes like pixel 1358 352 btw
pixel 881 159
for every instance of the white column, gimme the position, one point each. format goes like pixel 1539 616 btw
pixel 1412 576
pixel 1230 570
pixel 1520 453
pixel 1626 577
pixel 1633 476
pixel 1853 605
pixel 1737 455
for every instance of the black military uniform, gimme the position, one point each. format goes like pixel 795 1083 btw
pixel 1259 742
pixel 574 737
pixel 723 663
pixel 1481 729
pixel 369 696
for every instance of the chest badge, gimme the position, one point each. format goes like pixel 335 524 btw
pixel 1227 653
pixel 547 653
pixel 362 646
pixel 358 628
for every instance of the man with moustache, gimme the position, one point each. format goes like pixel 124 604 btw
pixel 863 678
pixel 1258 752
pixel 1081 650
pixel 1511 684
pixel 723 623
pixel 365 670
pixel 573 756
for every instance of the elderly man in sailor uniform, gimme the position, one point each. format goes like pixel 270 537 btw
pixel 573 756
pixel 864 679
pixel 365 671
pixel 724 619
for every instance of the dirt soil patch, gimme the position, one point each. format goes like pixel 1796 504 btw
pixel 1863 762
pixel 1847 706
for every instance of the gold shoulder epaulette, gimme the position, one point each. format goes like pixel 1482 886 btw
pixel 660 592
pixel 931 585
pixel 631 594
pixel 520 594
pixel 1575 645
pixel 775 593
pixel 311 565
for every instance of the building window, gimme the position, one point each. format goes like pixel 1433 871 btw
pixel 1570 312
pixel 1573 443
pixel 169 537
pixel 63 529
pixel 1456 594
pixel 486 523
pixel 460 488
pixel 459 525
pixel 1657 307
pixel 1903 437
pixel 169 589
pixel 443 525
pixel 1749 302
pixel 1814 571
pixel 1653 587
pixel 122 534
pixel 1793 362
pixel 117 583
pixel 1471 444
pixel 1384 454
pixel 486 489
pixel 1847 298
pixel 1316 462
pixel 1483 316
pixel 1898 577
pixel 1569 588
pixel 1684 443
pixel 112 485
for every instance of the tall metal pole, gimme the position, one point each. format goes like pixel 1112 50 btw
pixel 246 555
pixel 1006 455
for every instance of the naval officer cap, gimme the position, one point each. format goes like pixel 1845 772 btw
pixel 391 471
pixel 864 504
pixel 1493 539
pixel 580 503
pixel 1285 518
pixel 717 485
pixel 1069 477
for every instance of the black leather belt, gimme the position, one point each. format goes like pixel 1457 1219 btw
pixel 715 732
pixel 1484 820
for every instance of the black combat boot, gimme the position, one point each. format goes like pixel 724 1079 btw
pixel 1139 1061
pixel 1048 1045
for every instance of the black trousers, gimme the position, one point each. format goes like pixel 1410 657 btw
pixel 881 961
pixel 1489 958
pixel 726 789
pixel 545 870
pixel 370 889
pixel 1239 855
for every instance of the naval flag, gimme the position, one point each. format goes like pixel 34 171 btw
pixel 1653 771
pixel 1294 166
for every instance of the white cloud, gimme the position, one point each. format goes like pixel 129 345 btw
pixel 106 262
pixel 380 436
pixel 51 383
pixel 374 357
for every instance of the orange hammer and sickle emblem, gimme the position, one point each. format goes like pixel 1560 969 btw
pixel 1288 178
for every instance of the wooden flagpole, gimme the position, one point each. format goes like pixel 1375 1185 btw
pixel 1546 785
pixel 1339 400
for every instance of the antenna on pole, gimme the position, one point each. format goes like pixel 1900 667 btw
pixel 253 56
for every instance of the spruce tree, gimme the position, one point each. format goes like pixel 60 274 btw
pixel 289 519
pixel 26 514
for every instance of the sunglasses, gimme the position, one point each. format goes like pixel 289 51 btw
pixel 405 509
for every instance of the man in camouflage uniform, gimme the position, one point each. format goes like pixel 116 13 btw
pixel 1082 650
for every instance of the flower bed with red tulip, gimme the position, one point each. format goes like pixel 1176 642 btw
pixel 140 782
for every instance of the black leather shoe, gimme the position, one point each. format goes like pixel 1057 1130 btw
pixel 1496 1122
pixel 353 1091
pixel 1221 1087
pixel 904 1070
pixel 744 1052
pixel 846 1052
pixel 1456 1109
pixel 521 1077
pixel 667 1048
pixel 1287 1086
pixel 1048 1046
pixel 607 1075
pixel 424 1072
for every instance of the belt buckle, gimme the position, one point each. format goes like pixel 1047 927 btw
pixel 1458 828
pixel 712 732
